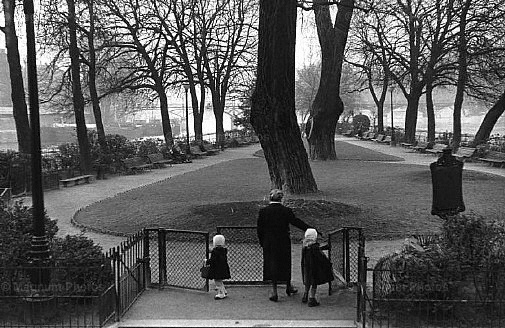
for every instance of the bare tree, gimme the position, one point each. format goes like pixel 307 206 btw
pixel 273 108
pixel 19 107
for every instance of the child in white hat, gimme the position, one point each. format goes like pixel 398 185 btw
pixel 316 267
pixel 219 268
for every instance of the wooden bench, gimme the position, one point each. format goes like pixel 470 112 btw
pixel 420 147
pixel 209 152
pixel 379 138
pixel 348 133
pixel 437 149
pixel 196 152
pixel 406 144
pixel 158 161
pixel 76 180
pixel 136 164
pixel 465 152
pixel 386 140
pixel 368 136
pixel 494 158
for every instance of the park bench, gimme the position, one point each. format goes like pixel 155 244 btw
pixel 406 144
pixel 158 161
pixel 136 164
pixel 348 133
pixel 379 138
pixel 196 152
pixel 209 151
pixel 386 140
pixel 420 147
pixel 76 180
pixel 437 149
pixel 464 153
pixel 368 136
pixel 494 158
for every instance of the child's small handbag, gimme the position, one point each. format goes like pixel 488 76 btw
pixel 204 271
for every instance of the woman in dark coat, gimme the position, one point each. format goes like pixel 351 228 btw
pixel 274 238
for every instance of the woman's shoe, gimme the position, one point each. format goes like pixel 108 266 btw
pixel 274 298
pixel 291 290
pixel 313 302
pixel 305 298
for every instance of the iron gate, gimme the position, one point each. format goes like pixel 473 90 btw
pixel 346 247
pixel 245 255
pixel 175 257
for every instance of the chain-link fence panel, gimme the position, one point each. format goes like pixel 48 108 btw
pixel 336 254
pixel 245 255
pixel 355 241
pixel 152 255
pixel 185 254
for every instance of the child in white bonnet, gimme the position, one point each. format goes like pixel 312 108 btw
pixel 316 267
pixel 219 269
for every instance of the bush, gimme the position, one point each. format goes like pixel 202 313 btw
pixel 16 225
pixel 87 271
pixel 467 263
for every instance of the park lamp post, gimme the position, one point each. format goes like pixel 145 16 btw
pixel 39 252
pixel 393 141
pixel 186 88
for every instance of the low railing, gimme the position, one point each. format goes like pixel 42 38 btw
pixel 346 246
pixel 433 298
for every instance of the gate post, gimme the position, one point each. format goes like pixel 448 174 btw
pixel 147 259
pixel 162 255
pixel 347 263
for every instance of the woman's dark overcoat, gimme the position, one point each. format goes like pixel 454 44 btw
pixel 274 238
pixel 218 262
pixel 316 267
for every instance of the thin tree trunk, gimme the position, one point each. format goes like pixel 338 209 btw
pixel 462 77
pixel 19 107
pixel 92 78
pixel 165 118
pixel 490 120
pixel 77 96
pixel 198 116
pixel 328 106
pixel 273 102
pixel 430 110
pixel 411 117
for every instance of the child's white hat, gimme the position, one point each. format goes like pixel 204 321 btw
pixel 218 240
pixel 311 234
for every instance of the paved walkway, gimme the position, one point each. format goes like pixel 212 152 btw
pixel 246 306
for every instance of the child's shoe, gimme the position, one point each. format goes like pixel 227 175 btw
pixel 220 294
pixel 313 302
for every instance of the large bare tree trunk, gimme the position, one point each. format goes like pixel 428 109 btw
pixel 20 110
pixel 77 97
pixel 198 111
pixel 490 120
pixel 92 78
pixel 218 106
pixel 327 106
pixel 411 116
pixel 273 102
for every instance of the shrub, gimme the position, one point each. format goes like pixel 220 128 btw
pixel 87 271
pixel 468 263
pixel 16 224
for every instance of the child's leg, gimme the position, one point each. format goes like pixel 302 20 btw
pixel 220 289
pixel 313 291
pixel 312 297
pixel 305 296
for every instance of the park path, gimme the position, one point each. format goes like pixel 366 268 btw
pixel 61 204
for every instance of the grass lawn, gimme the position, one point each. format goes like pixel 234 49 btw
pixel 387 199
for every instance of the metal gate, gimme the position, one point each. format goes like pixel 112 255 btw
pixel 175 257
pixel 346 247
pixel 245 255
